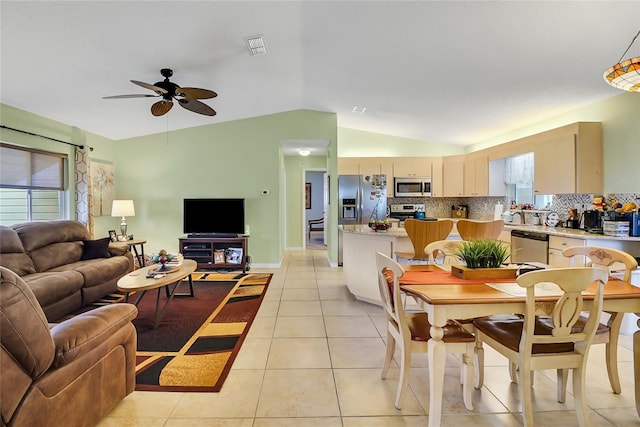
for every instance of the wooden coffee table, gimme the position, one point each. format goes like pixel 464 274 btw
pixel 137 281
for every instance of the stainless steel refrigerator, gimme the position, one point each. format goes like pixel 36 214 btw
pixel 360 198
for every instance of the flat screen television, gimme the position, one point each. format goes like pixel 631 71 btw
pixel 213 217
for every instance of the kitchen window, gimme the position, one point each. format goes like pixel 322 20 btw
pixel 31 185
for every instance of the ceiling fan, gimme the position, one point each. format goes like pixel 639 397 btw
pixel 187 97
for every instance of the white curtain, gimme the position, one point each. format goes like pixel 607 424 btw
pixel 519 170
pixel 84 201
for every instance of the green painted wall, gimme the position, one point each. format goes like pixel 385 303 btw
pixel 359 143
pixel 104 149
pixel 620 118
pixel 232 159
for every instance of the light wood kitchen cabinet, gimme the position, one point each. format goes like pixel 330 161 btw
pixel 412 166
pixel 554 166
pixel 348 166
pixel 476 176
pixel 369 166
pixel 568 160
pixel 557 244
pixel 452 176
pixel 437 189
pixel 365 166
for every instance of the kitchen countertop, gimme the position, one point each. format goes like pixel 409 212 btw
pixel 364 229
pixel 552 231
pixel 567 232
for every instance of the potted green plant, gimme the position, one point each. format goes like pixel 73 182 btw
pixel 487 255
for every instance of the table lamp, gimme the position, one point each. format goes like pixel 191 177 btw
pixel 123 208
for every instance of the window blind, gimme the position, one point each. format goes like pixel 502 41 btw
pixel 25 168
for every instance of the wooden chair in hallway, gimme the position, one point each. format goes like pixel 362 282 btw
pixel 535 345
pixel 605 334
pixel 411 331
pixel 314 225
pixel 470 230
pixel 421 233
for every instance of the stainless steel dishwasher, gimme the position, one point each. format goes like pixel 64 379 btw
pixel 529 246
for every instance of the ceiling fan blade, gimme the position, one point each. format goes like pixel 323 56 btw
pixel 195 93
pixel 156 89
pixel 197 107
pixel 161 107
pixel 129 96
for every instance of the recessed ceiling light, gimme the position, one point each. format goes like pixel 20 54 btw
pixel 256 45
pixel 304 152
pixel 359 109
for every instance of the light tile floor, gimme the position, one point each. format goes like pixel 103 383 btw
pixel 313 358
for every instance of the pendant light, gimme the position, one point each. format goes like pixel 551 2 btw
pixel 625 74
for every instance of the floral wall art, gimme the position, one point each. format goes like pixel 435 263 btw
pixel 103 187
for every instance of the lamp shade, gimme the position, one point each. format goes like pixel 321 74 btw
pixel 625 75
pixel 123 208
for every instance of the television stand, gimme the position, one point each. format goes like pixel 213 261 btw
pixel 211 235
pixel 216 252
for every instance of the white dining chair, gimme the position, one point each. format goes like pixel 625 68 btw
pixel 441 253
pixel 411 331
pixel 533 345
pixel 606 333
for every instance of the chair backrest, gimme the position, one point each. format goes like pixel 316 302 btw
pixel 422 233
pixel 444 249
pixel 25 331
pixel 605 257
pixel 389 274
pixel 470 230
pixel 566 311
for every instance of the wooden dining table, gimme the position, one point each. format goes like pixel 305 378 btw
pixel 443 296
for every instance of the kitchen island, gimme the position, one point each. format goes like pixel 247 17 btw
pixel 359 263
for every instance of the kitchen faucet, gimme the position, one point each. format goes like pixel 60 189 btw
pixel 520 214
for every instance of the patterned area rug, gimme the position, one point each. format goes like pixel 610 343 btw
pixel 198 338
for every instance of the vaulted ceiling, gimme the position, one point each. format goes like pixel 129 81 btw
pixel 442 71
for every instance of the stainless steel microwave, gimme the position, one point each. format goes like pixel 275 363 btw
pixel 412 187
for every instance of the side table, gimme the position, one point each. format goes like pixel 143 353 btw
pixel 133 245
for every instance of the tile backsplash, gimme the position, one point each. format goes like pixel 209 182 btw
pixel 482 208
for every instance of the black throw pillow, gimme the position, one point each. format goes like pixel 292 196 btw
pixel 96 249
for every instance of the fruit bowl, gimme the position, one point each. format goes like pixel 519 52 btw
pixel 380 226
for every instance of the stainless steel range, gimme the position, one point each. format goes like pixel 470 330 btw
pixel 407 210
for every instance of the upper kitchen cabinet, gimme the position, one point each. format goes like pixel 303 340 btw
pixel 476 176
pixel 452 176
pixel 571 163
pixel 437 187
pixel 554 166
pixel 365 166
pixel 348 166
pixel 412 166
pixel 370 166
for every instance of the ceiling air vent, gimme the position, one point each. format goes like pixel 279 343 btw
pixel 256 45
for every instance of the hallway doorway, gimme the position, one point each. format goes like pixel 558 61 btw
pixel 315 202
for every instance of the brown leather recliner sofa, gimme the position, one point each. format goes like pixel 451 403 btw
pixel 70 375
pixel 64 268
